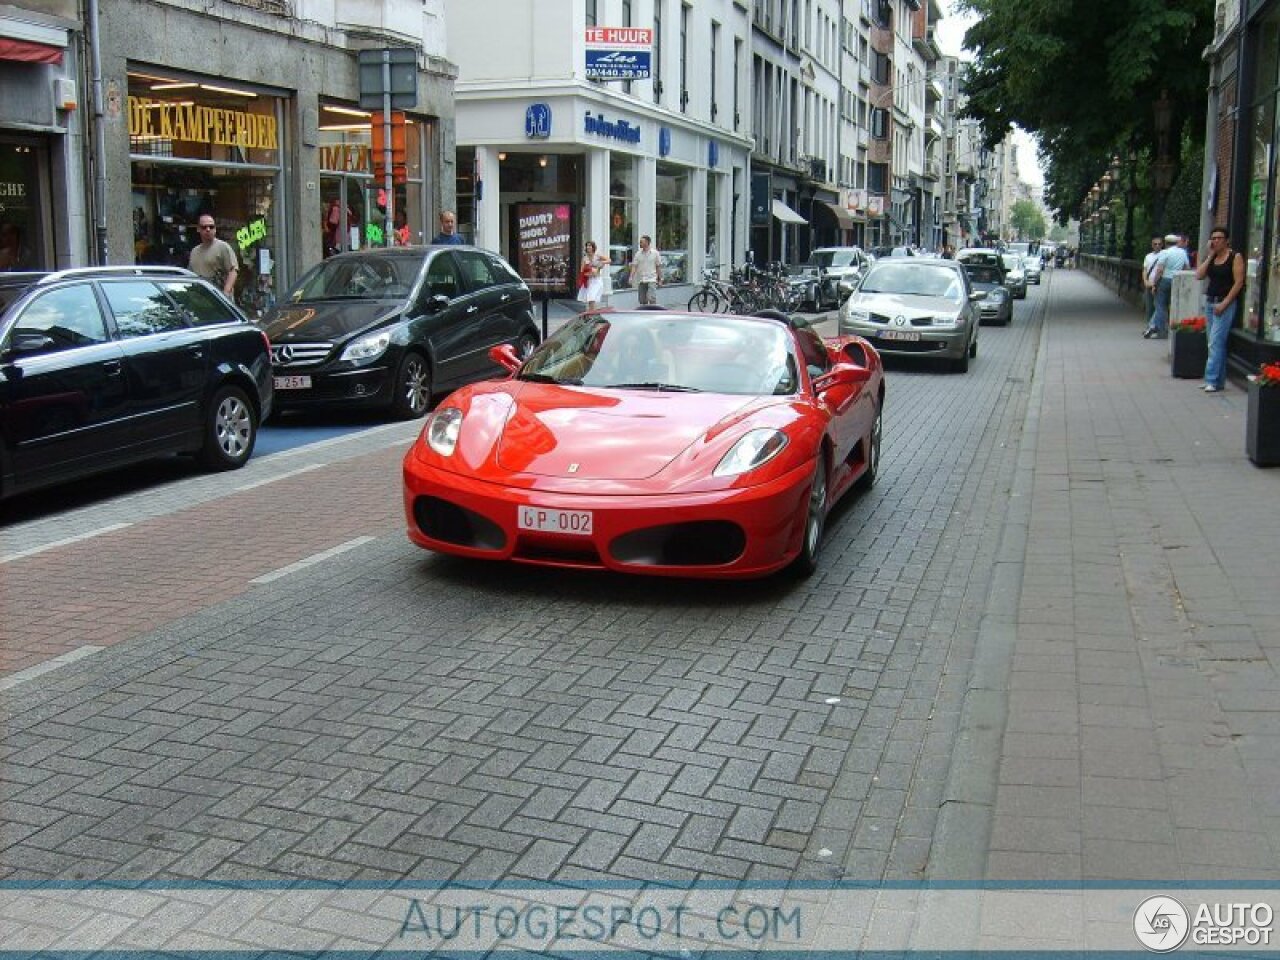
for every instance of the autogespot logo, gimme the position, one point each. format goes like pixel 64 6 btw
pixel 1161 924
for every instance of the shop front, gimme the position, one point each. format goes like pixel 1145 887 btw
pixel 202 146
pixel 582 172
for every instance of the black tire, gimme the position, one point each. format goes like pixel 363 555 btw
pixel 973 348
pixel 961 365
pixel 230 430
pixel 411 388
pixel 815 521
pixel 705 301
pixel 872 473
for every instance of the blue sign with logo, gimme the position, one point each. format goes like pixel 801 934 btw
pixel 537 121
pixel 614 129
pixel 618 64
pixel 664 141
pixel 713 154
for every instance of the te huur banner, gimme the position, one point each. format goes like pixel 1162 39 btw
pixel 619 53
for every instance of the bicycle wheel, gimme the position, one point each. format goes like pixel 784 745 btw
pixel 705 301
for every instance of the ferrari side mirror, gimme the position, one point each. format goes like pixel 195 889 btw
pixel 505 356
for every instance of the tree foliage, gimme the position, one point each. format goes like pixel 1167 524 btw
pixel 1027 220
pixel 1082 76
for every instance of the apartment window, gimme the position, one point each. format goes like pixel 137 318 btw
pixel 685 11
pixel 878 178
pixel 657 51
pixel 880 68
pixel 593 12
pixel 715 68
pixel 737 73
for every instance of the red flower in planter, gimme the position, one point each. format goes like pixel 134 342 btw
pixel 1191 325
pixel 1268 375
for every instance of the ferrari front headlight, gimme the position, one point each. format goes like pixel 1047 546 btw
pixel 442 430
pixel 754 449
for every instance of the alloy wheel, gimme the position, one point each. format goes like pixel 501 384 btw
pixel 233 427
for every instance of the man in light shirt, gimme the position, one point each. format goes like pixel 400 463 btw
pixel 1172 259
pixel 1148 287
pixel 646 271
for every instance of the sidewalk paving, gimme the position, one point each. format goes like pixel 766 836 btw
pixel 1140 692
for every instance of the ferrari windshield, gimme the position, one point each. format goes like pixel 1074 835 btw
pixel 366 277
pixel 667 353
pixel 914 279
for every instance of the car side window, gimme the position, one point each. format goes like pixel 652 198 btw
pixel 201 304
pixel 502 271
pixel 70 317
pixel 442 278
pixel 475 270
pixel 141 309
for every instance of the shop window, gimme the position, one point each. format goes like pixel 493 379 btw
pixel 21 219
pixel 141 309
pixel 673 222
pixel 69 317
pixel 622 217
pixel 713 220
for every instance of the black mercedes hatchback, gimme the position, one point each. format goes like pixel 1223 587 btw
pixel 100 367
pixel 391 327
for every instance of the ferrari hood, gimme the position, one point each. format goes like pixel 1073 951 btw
pixel 326 319
pixel 585 434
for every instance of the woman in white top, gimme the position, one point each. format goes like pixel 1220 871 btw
pixel 592 275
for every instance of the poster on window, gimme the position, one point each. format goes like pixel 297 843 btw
pixel 544 245
pixel 619 53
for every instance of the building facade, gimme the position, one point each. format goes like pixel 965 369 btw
pixel 43 219
pixel 549 158
pixel 246 111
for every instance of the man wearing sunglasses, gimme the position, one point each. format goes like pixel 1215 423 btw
pixel 214 259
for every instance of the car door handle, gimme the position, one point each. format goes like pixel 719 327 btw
pixel 506 297
pixel 111 367
pixel 196 352
pixel 472 309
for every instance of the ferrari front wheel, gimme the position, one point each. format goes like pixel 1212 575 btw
pixel 814 522
pixel 868 478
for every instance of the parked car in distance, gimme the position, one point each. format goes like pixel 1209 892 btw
pixel 837 271
pixel 920 306
pixel 982 255
pixel 103 367
pixel 1033 268
pixel 997 305
pixel 1015 276
pixel 388 328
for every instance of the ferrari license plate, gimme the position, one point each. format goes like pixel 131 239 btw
pixel 544 520
pixel 899 334
pixel 293 383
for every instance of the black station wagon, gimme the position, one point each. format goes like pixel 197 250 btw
pixel 100 367
pixel 391 327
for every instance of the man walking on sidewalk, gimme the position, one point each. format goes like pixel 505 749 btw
pixel 1172 259
pixel 1148 287
pixel 646 271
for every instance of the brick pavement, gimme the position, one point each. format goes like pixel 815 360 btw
pixel 388 714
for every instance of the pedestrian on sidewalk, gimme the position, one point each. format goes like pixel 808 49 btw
pixel 1148 286
pixel 1172 259
pixel 213 258
pixel 1225 269
pixel 448 234
pixel 646 271
pixel 591 288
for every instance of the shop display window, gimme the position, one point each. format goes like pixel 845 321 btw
pixel 22 241
pixel 622 218
pixel 713 220
pixel 673 222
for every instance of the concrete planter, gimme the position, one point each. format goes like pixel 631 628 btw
pixel 1262 427
pixel 1188 353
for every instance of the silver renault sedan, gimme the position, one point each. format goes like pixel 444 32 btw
pixel 916 306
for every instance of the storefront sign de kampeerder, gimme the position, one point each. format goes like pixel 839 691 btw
pixel 197 124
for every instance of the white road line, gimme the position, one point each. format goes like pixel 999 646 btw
pixel 10 557
pixel 22 676
pixel 312 560
pixel 346 438
pixel 279 476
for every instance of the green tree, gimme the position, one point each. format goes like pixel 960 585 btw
pixel 1082 77
pixel 1027 220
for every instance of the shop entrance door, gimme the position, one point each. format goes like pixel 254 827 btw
pixel 343 213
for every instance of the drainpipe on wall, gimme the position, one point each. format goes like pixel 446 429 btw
pixel 99 151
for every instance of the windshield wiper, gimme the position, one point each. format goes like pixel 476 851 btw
pixel 547 378
pixel 652 385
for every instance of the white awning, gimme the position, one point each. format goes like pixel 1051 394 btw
pixel 786 214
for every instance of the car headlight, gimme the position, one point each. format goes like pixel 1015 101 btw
pixel 442 430
pixel 369 347
pixel 754 449
pixel 946 320
pixel 854 315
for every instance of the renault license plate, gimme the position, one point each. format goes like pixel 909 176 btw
pixel 293 383
pixel 544 520
pixel 900 335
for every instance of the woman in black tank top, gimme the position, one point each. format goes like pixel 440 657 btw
pixel 1224 269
